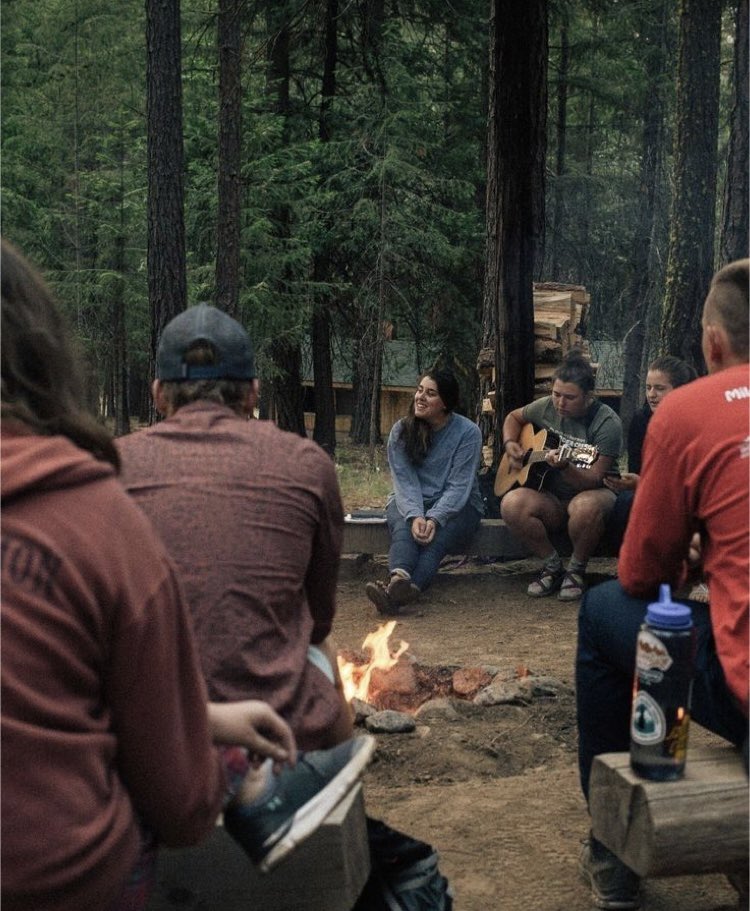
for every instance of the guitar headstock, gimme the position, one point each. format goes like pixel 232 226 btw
pixel 582 455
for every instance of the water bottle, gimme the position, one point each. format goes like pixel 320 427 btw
pixel 665 655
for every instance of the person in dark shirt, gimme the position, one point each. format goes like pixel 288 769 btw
pixel 664 374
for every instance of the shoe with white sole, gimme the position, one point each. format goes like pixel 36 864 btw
pixel 301 798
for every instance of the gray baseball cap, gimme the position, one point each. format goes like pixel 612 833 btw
pixel 236 359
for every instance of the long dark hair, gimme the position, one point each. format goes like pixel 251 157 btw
pixel 42 385
pixel 678 371
pixel 416 434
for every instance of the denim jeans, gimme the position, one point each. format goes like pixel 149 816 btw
pixel 608 625
pixel 422 561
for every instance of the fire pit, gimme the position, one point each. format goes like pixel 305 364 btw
pixel 396 681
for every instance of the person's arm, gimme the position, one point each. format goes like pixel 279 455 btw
pixel 406 486
pixel 607 438
pixel 512 427
pixel 461 476
pixel 254 725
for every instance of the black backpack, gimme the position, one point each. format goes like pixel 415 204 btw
pixel 405 874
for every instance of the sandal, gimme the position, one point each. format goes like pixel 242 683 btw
pixel 573 586
pixel 546 582
pixel 377 592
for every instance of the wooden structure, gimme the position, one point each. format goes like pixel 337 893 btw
pixel 560 312
pixel 698 824
pixel 326 872
pixel 492 539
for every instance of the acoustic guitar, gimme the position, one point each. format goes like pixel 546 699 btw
pixel 534 468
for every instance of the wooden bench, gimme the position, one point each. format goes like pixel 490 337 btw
pixel 493 539
pixel 698 824
pixel 326 872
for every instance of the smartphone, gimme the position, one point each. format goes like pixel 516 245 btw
pixel 612 473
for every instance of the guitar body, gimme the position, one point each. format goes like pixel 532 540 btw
pixel 534 467
pixel 531 474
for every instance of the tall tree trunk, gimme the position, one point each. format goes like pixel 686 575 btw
pixel 230 156
pixel 367 364
pixel 325 403
pixel 167 282
pixel 734 233
pixel 119 333
pixel 643 287
pixel 285 386
pixel 561 132
pixel 691 243
pixel 515 195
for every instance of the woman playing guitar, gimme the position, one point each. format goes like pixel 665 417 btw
pixel 569 493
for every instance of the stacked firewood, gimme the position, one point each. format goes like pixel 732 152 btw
pixel 560 312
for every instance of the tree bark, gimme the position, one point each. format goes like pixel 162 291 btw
pixel 734 233
pixel 325 403
pixel 167 282
pixel 515 195
pixel 646 280
pixel 284 387
pixel 229 178
pixel 561 132
pixel 690 262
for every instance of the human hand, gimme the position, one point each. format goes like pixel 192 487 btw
pixel 695 552
pixel 514 451
pixel 554 459
pixel 626 481
pixel 423 530
pixel 257 727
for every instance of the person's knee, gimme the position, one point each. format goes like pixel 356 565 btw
pixel 513 506
pixel 596 604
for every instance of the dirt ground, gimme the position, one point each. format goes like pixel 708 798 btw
pixel 495 790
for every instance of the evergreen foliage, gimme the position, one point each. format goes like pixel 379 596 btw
pixel 394 202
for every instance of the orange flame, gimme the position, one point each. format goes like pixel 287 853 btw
pixel 356 678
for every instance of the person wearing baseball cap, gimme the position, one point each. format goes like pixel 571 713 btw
pixel 252 516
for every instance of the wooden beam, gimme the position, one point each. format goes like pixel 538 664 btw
pixel 698 824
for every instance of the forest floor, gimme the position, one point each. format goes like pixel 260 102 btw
pixel 495 789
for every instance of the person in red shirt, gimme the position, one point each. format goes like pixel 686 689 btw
pixel 694 479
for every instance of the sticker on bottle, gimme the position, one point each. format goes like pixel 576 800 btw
pixel 651 653
pixel 648 724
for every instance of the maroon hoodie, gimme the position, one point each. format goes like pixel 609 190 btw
pixel 103 703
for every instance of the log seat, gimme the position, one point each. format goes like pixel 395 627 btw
pixel 698 824
pixel 326 872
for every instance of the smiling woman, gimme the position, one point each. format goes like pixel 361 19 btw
pixel 435 506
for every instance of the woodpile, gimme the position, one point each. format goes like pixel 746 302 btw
pixel 560 312
pixel 559 317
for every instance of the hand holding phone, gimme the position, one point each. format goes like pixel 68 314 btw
pixel 612 473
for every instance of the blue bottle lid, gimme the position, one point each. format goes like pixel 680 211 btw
pixel 668 613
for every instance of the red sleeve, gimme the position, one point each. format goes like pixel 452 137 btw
pixel 158 700
pixel 660 524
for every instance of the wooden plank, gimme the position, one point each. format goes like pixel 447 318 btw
pixel 493 539
pixel 698 824
pixel 325 873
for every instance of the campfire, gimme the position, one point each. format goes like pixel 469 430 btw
pixel 394 680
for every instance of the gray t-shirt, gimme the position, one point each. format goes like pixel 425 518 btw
pixel 600 426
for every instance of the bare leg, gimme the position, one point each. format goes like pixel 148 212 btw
pixel 587 513
pixel 531 515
